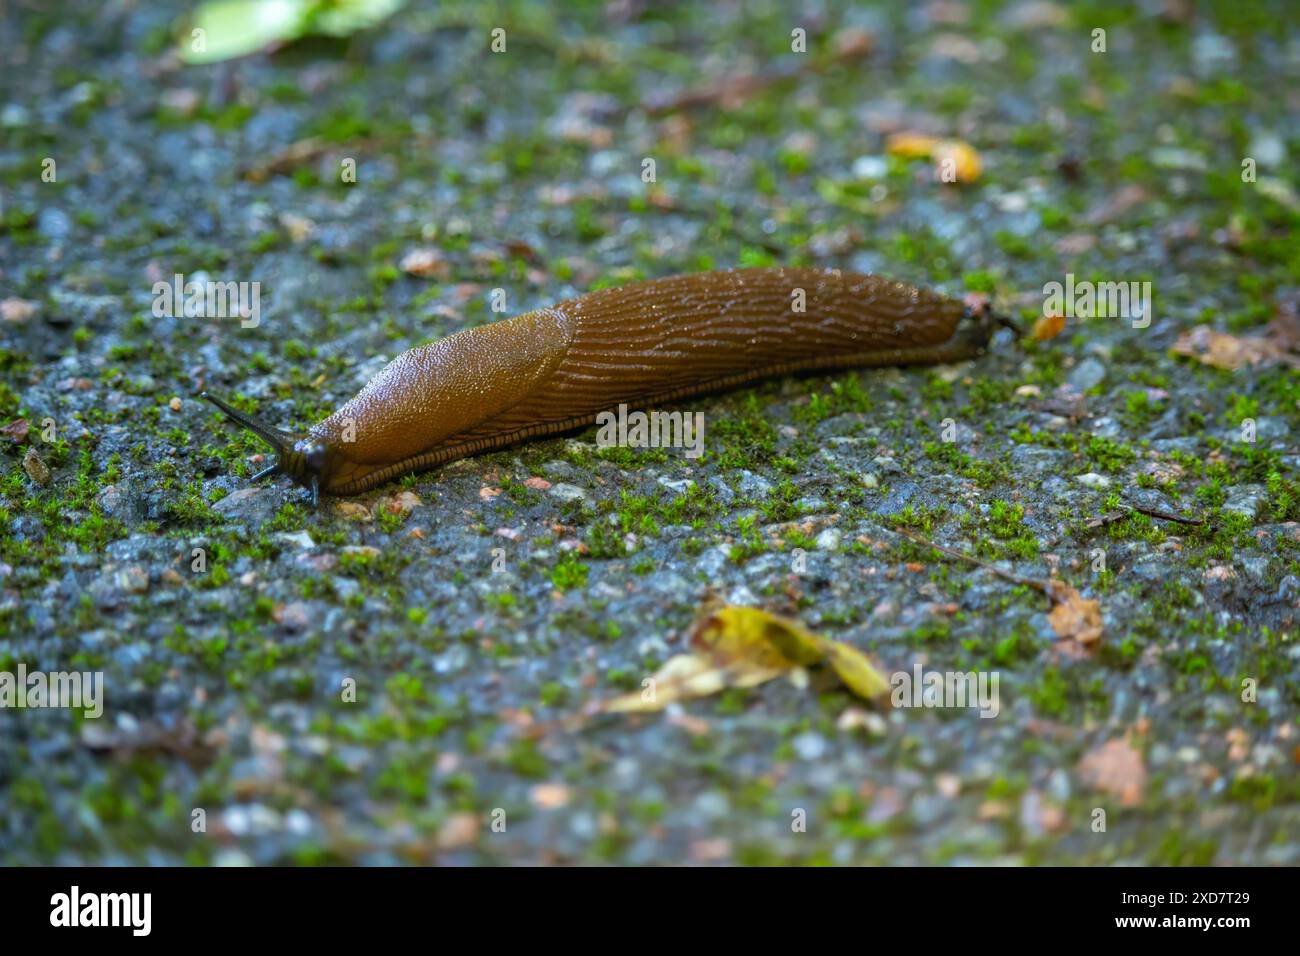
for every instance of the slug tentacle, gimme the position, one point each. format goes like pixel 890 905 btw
pixel 555 369
pixel 281 441
pixel 302 459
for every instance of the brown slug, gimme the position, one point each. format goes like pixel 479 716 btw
pixel 555 369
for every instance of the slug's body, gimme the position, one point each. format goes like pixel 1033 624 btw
pixel 556 368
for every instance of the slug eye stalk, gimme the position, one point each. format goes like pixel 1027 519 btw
pixel 302 459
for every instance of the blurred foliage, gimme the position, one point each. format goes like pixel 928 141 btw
pixel 235 28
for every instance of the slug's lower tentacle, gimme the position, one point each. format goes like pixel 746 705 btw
pixel 301 458
pixel 653 342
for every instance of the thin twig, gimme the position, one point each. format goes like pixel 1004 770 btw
pixel 1119 514
pixel 1166 515
pixel 300 153
pixel 1044 586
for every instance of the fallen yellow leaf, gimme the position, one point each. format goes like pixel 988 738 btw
pixel 746 633
pixel 954 160
pixel 911 145
pixel 856 671
pixel 745 647
pixel 683 677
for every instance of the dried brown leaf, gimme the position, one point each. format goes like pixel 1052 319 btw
pixel 1073 615
pixel 1116 768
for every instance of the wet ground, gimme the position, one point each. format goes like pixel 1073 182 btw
pixel 390 678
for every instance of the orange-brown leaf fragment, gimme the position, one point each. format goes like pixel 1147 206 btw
pixel 1073 615
pixel 1116 768
pixel 16 430
pixel 1048 327
pixel 426 263
pixel 1231 352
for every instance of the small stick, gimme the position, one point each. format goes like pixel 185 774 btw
pixel 300 153
pixel 1120 514
pixel 1166 515
pixel 1043 586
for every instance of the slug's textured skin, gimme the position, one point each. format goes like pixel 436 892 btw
pixel 556 368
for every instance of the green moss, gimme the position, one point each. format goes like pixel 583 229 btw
pixel 1108 454
pixel 749 541
pixel 553 694
pixel 1050 694
pixel 569 573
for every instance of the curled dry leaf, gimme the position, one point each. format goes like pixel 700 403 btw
pixel 745 647
pixel 1231 352
pixel 1048 327
pixel 16 430
pixel 426 263
pixel 1116 768
pixel 682 677
pixel 1073 615
pixel 748 634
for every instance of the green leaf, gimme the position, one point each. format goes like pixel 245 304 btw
pixel 235 28
pixel 745 647
pixel 343 17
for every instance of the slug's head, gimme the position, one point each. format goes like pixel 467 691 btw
pixel 308 460
pixel 979 321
